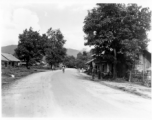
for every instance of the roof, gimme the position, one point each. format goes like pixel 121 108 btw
pixel 89 61
pixel 102 53
pixel 3 58
pixel 10 57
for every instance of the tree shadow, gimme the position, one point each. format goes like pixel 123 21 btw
pixel 86 77
pixel 89 78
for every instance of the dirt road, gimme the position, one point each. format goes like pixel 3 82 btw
pixel 69 94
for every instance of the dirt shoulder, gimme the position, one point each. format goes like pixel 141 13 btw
pixel 8 75
pixel 125 86
pixel 129 87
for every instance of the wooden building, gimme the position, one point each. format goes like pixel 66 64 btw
pixel 143 65
pixel 144 62
pixel 8 60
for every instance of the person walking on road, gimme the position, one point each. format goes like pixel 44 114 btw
pixel 93 73
pixel 63 68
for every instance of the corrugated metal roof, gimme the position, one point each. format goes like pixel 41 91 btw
pixel 10 57
pixel 89 61
pixel 3 58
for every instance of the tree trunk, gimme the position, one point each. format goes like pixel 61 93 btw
pixel 130 76
pixel 27 62
pixel 114 66
pixel 27 65
pixel 99 72
pixel 51 66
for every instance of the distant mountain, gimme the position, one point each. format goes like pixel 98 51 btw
pixel 10 49
pixel 72 52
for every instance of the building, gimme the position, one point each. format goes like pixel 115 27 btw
pixel 143 65
pixel 102 66
pixel 144 62
pixel 9 60
pixel 142 69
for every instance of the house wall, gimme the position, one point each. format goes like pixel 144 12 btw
pixel 147 63
pixel 105 67
pixel 4 63
pixel 141 73
pixel 9 64
pixel 143 63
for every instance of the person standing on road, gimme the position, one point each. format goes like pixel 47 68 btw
pixel 93 73
pixel 63 68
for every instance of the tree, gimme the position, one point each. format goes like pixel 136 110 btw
pixel 28 46
pixel 118 30
pixel 82 58
pixel 70 61
pixel 55 51
pixel 43 44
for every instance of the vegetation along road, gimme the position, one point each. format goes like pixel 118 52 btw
pixel 69 94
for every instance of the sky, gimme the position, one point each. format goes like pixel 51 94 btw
pixel 66 15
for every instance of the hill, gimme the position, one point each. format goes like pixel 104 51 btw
pixel 72 52
pixel 10 49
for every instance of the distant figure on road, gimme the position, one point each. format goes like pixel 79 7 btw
pixel 93 73
pixel 63 68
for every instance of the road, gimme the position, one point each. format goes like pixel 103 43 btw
pixel 70 94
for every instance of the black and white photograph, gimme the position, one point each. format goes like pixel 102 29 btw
pixel 76 59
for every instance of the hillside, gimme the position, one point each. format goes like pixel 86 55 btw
pixel 72 52
pixel 10 49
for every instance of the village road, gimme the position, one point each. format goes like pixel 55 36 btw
pixel 70 94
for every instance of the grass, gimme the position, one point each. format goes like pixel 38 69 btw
pixel 19 72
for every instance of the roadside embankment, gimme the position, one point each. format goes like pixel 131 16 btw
pixel 11 74
pixel 125 86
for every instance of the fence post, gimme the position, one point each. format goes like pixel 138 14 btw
pixel 143 68
pixel 143 77
pixel 130 76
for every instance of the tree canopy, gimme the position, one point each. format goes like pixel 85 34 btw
pixel 29 46
pixel 82 58
pixel 79 61
pixel 55 52
pixel 119 30
pixel 70 61
pixel 32 46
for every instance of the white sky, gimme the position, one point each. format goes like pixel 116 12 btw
pixel 67 15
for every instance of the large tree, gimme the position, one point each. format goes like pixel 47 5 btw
pixel 82 58
pixel 118 30
pixel 29 46
pixel 70 61
pixel 55 52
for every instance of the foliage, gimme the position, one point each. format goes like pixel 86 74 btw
pixel 29 46
pixel 79 62
pixel 118 30
pixel 82 58
pixel 55 52
pixel 70 61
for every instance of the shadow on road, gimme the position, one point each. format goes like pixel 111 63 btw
pixel 116 84
pixel 86 77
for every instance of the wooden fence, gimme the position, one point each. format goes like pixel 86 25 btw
pixel 143 78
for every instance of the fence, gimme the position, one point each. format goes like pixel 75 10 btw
pixel 143 78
